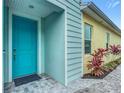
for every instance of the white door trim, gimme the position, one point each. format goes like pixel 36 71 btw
pixel 38 19
pixel 10 46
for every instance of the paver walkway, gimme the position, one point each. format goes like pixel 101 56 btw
pixel 110 84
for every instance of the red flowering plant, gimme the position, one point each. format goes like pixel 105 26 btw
pixel 96 62
pixel 115 50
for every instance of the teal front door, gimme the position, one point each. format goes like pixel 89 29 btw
pixel 24 46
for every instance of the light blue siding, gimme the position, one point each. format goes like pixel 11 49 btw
pixel 74 38
pixel 69 21
pixel 76 76
pixel 54 46
pixel 72 73
pixel 73 55
pixel 73 34
pixel 53 42
pixel 74 28
pixel 71 50
pixel 75 44
pixel 74 67
pixel 73 17
pixel 74 61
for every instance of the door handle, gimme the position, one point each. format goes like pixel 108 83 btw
pixel 14 54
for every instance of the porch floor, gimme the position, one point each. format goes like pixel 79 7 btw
pixel 110 84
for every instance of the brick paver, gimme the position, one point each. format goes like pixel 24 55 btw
pixel 110 84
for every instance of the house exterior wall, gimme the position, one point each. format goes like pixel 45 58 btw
pixel 73 38
pixel 72 58
pixel 5 44
pixel 54 46
pixel 98 39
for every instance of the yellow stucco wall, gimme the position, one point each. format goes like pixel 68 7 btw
pixel 98 39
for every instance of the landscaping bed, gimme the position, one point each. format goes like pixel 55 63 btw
pixel 106 69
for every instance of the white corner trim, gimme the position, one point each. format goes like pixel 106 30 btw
pixel 39 47
pixel 82 31
pixel 66 78
pixel 38 19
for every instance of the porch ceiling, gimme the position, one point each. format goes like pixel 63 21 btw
pixel 39 8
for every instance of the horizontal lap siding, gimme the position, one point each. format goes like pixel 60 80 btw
pixel 74 55
pixel 70 44
pixel 74 29
pixel 74 77
pixel 73 17
pixel 71 50
pixel 74 33
pixel 74 61
pixel 75 72
pixel 74 39
pixel 75 23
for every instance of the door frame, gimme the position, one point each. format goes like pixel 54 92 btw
pixel 39 47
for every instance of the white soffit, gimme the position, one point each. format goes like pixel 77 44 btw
pixel 96 17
